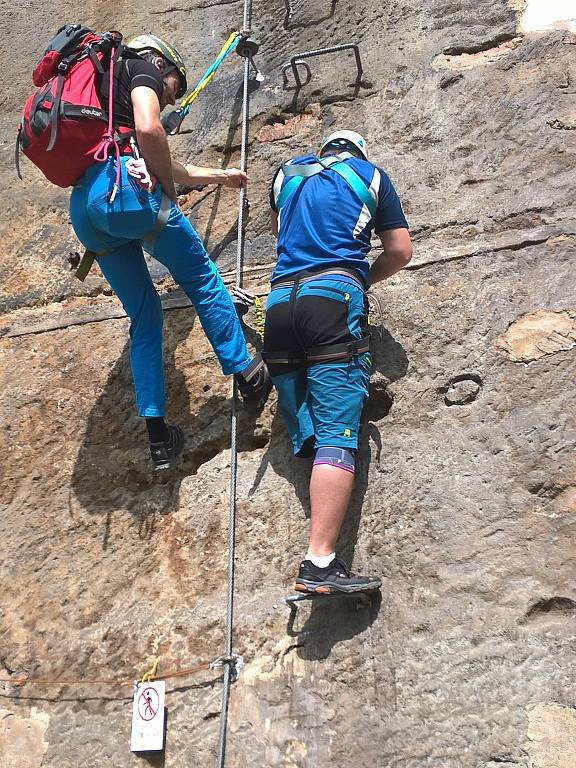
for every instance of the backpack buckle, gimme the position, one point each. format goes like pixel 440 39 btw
pixel 63 67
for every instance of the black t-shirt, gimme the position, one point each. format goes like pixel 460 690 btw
pixel 129 74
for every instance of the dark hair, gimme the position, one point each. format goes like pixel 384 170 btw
pixel 152 55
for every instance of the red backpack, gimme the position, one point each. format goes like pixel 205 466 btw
pixel 64 129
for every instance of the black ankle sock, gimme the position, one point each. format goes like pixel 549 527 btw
pixel 157 429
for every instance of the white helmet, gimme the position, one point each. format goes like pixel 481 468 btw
pixel 339 139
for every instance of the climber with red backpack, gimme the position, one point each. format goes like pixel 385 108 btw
pixel 102 135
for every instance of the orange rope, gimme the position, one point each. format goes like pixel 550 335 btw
pixel 22 679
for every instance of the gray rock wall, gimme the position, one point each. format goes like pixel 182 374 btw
pixel 466 492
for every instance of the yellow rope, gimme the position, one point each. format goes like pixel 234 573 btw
pixel 260 314
pixel 151 674
pixel 204 82
pixel 198 90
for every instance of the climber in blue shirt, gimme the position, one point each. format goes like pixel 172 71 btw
pixel 324 211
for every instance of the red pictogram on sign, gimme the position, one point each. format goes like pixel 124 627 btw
pixel 148 704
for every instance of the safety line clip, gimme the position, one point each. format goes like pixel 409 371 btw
pixel 171 121
pixel 235 662
pixel 242 300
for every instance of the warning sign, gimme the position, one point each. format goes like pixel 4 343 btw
pixel 148 717
pixel 148 703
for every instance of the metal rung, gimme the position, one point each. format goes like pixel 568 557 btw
pixel 364 598
pixel 298 59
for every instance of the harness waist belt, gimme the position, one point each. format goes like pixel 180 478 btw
pixel 307 276
pixel 326 353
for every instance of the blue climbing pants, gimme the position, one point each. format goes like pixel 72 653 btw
pixel 117 231
pixel 319 402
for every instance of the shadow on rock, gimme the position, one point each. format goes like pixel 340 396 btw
pixel 227 152
pixel 388 356
pixel 336 619
pixel 290 25
pixel 113 472
pixel 331 620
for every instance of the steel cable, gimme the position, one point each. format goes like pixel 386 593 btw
pixel 242 204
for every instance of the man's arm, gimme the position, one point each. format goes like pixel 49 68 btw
pixel 395 256
pixel 195 175
pixel 151 137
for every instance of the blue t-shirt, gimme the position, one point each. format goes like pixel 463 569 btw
pixel 323 223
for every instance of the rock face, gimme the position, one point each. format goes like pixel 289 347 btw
pixel 538 334
pixel 466 493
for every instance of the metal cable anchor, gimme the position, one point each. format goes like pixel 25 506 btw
pixel 247 48
pixel 235 662
pixel 298 59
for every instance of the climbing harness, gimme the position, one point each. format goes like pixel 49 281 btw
pixel 173 120
pixel 328 353
pixel 325 353
pixel 298 60
pixel 297 174
pixel 247 48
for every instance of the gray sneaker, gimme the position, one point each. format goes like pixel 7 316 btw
pixel 336 577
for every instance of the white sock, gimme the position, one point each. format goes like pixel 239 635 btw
pixel 320 561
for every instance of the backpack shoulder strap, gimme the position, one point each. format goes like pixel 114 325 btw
pixel 55 109
pixel 311 169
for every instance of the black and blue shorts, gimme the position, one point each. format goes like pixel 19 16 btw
pixel 319 401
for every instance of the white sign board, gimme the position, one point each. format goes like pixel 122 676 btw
pixel 148 717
